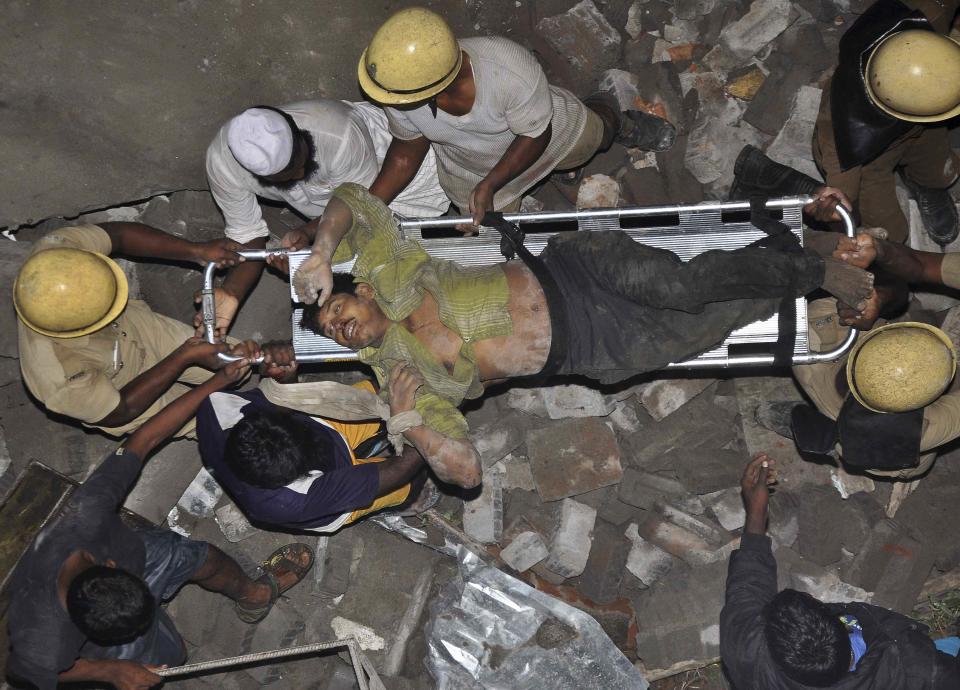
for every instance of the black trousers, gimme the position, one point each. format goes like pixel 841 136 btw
pixel 632 308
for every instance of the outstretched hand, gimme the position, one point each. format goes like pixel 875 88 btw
pixel 293 241
pixel 860 251
pixel 824 204
pixel 313 281
pixel 222 252
pixel 755 484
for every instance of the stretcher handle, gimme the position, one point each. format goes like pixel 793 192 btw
pixel 208 302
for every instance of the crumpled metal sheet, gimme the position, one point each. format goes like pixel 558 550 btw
pixel 488 630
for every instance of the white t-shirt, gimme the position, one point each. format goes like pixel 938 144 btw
pixel 351 140
pixel 513 98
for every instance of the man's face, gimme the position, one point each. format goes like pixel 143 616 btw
pixel 302 165
pixel 353 321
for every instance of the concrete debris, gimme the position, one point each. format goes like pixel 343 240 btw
pixel 616 512
pixel 893 564
pixel 700 526
pixel 681 542
pixel 849 484
pixel 706 471
pixel 598 191
pixel 483 515
pixel 366 637
pixel 600 580
pixel 665 396
pixel 570 545
pixel 634 25
pixel 792 145
pixel 744 38
pixel 646 562
pixel 746 84
pixel 233 523
pixel 681 32
pixel 559 402
pixel 573 458
pixel 495 440
pixel 201 496
pixel 713 148
pixel 643 489
pixel 584 37
pixel 727 507
pixel 677 625
pixel 692 9
pixel 517 473
pixel 623 85
pixel 334 558
pixel 624 418
pixel 805 576
pixel 525 551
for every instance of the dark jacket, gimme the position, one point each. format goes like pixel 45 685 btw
pixel 900 655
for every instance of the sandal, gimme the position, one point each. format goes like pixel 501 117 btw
pixel 286 559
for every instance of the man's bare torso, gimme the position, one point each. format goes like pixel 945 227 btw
pixel 522 352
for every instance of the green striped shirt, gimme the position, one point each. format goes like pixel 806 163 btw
pixel 472 302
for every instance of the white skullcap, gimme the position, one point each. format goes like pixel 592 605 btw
pixel 260 140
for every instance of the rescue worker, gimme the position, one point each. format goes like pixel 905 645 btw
pixel 885 109
pixel 892 398
pixel 485 107
pixel 90 353
pixel 298 154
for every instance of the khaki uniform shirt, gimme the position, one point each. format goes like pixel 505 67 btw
pixel 82 377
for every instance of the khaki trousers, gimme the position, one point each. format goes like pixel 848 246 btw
pixel 924 154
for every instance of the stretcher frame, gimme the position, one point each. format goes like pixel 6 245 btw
pixel 684 229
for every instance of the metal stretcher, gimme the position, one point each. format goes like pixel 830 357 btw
pixel 686 230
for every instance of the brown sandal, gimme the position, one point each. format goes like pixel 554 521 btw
pixel 286 559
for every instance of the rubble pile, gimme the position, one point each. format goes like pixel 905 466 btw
pixel 623 503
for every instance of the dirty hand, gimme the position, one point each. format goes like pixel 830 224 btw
pixel 405 380
pixel 861 320
pixel 758 476
pixel 233 372
pixel 824 204
pixel 279 361
pixel 131 675
pixel 222 252
pixel 293 241
pixel 313 281
pixel 226 306
pixel 198 351
pixel 860 251
pixel 480 203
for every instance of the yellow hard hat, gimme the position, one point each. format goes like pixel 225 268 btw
pixel 915 76
pixel 65 292
pixel 901 367
pixel 413 56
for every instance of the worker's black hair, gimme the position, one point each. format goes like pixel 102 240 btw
pixel 342 283
pixel 109 605
pixel 806 640
pixel 309 168
pixel 270 448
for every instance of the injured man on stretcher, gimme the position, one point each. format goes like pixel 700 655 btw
pixel 600 305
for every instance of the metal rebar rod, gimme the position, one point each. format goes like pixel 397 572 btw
pixel 258 657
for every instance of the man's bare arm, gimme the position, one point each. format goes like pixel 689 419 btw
pixel 394 473
pixel 453 460
pixel 903 262
pixel 146 388
pixel 520 155
pixel 122 674
pixel 139 240
pixel 400 165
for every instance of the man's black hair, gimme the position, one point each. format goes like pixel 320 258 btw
pixel 806 640
pixel 342 283
pixel 309 168
pixel 109 605
pixel 270 448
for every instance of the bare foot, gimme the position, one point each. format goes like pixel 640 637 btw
pixel 847 283
pixel 821 243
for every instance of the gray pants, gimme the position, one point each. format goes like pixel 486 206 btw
pixel 632 308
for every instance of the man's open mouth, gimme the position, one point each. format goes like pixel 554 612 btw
pixel 350 329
